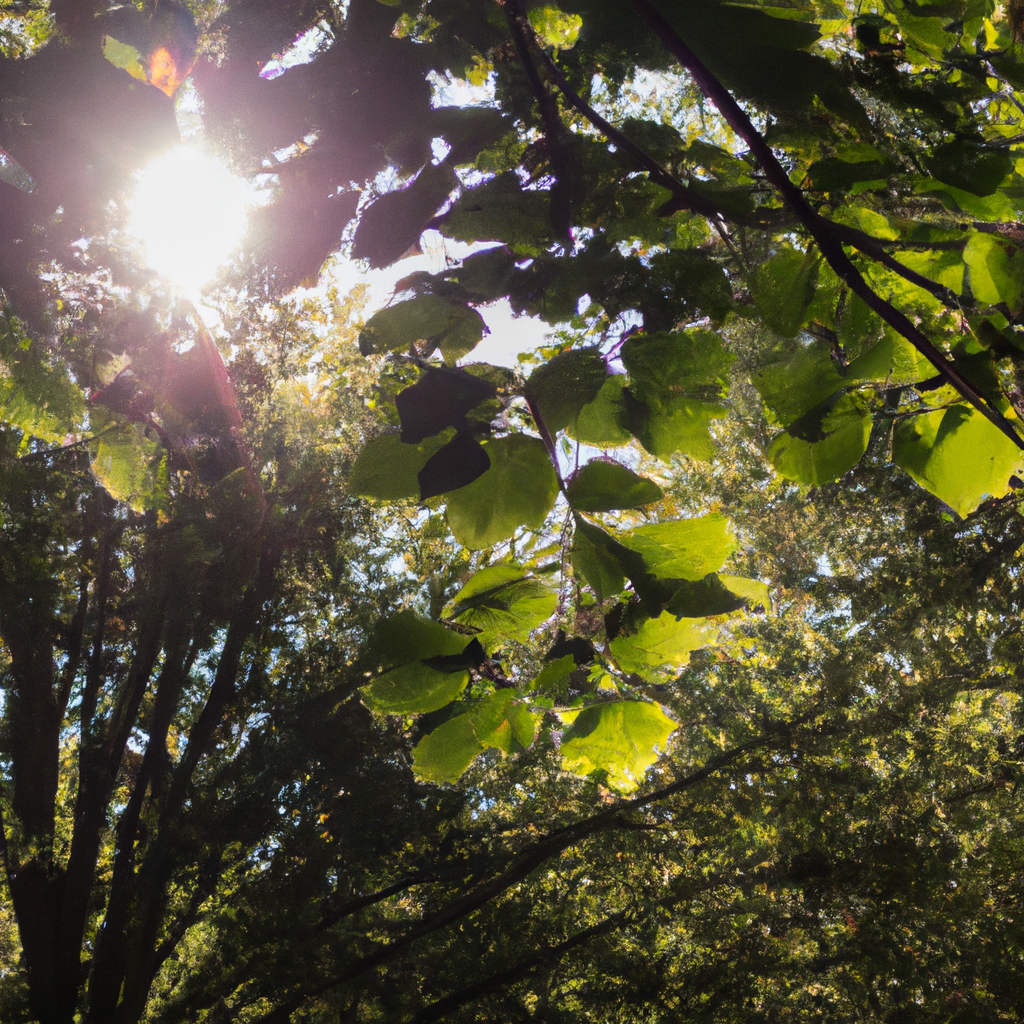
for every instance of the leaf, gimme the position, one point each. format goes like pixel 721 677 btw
pixel 664 642
pixel 405 684
pixel 823 445
pixel 518 490
pixel 596 565
pixel 783 288
pixel 392 224
pixel 600 422
pixel 500 210
pixel 554 677
pixel 957 455
pixel 564 385
pixel 968 166
pixel 665 426
pixel 603 486
pixel 504 602
pixel 124 56
pixel 702 598
pixel 554 27
pixel 832 174
pixel 461 461
pixel 497 721
pixel 893 360
pixel 791 388
pixel 468 130
pixel 487 275
pixel 686 549
pixel 756 593
pixel 621 739
pixel 388 470
pixel 441 398
pixel 129 466
pixel 991 276
pixel 692 363
pixel 453 326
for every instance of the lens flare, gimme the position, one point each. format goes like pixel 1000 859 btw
pixel 190 213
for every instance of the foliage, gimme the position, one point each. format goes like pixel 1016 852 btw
pixel 731 559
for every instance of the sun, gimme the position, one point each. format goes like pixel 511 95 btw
pixel 190 213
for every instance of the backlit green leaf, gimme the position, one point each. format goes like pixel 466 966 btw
pixel 684 549
pixel 621 739
pixel 504 602
pixel 518 490
pixel 405 684
pixel 600 422
pixel 782 289
pixel 602 486
pixel 662 643
pixel 820 447
pixel 497 721
pixel 564 385
pixel 425 322
pixel 387 468
pixel 957 455
pixel 992 278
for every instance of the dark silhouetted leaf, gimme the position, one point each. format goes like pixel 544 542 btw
pixel 461 461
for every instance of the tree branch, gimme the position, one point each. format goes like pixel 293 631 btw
pixel 819 229
pixel 521 865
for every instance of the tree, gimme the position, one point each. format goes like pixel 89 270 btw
pixel 215 681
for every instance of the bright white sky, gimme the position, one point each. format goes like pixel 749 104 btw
pixel 190 214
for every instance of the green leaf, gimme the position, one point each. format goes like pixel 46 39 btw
pixel 405 684
pixel 674 379
pixel 791 388
pixel 554 27
pixel 504 602
pixel 37 395
pixel 702 598
pixel 665 426
pixel 824 444
pixel 756 593
pixel 564 385
pixel 958 455
pixel 969 167
pixel 600 422
pixel 387 468
pixel 662 643
pixel 501 210
pixel 783 288
pixel 125 56
pixel 428 319
pixel 832 174
pixel 893 360
pixel 692 363
pixel 497 721
pixel 554 677
pixel 621 739
pixel 991 276
pixel 596 565
pixel 685 549
pixel 603 486
pixel 129 466
pixel 518 490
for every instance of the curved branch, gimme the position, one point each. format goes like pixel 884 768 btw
pixel 828 243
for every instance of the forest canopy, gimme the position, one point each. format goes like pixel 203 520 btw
pixel 671 671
